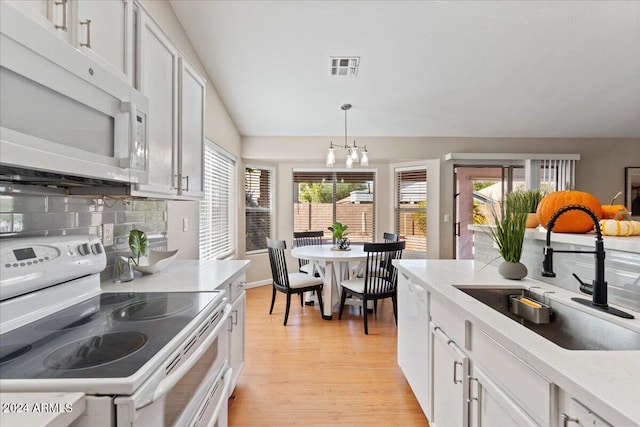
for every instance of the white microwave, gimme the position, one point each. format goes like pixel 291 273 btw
pixel 62 112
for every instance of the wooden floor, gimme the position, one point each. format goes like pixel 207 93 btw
pixel 314 372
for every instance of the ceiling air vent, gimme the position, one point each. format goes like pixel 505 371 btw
pixel 344 65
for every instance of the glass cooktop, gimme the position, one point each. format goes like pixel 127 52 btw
pixel 111 335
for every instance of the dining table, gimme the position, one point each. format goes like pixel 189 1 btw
pixel 333 266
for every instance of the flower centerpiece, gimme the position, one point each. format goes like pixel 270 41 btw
pixel 338 230
pixel 508 234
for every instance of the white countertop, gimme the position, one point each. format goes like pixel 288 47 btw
pixel 626 244
pixel 41 409
pixel 182 276
pixel 602 380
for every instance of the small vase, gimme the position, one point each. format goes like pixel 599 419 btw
pixel 343 243
pixel 532 221
pixel 512 270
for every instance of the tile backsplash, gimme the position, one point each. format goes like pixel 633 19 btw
pixel 27 211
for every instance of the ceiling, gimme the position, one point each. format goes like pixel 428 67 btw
pixel 427 68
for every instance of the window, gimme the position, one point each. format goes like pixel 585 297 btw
pixel 216 209
pixel 322 197
pixel 258 206
pixel 411 208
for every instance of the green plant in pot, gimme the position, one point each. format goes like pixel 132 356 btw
pixel 531 200
pixel 138 245
pixel 338 230
pixel 508 234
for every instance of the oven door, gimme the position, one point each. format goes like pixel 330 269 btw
pixel 62 112
pixel 191 382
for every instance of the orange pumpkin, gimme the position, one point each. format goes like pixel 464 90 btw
pixel 572 221
pixel 610 211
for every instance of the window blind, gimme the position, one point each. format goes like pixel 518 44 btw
pixel 411 208
pixel 258 207
pixel 217 208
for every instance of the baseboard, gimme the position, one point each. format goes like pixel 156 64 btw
pixel 257 284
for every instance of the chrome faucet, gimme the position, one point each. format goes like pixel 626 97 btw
pixel 598 288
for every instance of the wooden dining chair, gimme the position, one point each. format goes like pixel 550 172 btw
pixel 390 237
pixel 289 283
pixel 380 280
pixel 306 238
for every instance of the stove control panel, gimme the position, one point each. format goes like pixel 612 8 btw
pixel 37 262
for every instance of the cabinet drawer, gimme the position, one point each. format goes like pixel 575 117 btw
pixel 236 287
pixel 524 385
pixel 443 316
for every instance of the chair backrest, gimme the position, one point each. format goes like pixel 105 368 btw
pixel 307 238
pixel 278 262
pixel 391 237
pixel 381 276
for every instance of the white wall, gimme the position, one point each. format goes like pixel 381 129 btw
pixel 600 171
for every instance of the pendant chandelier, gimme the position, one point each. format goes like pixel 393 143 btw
pixel 353 156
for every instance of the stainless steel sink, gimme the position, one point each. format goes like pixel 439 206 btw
pixel 569 327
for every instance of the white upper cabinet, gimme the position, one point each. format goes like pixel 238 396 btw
pixel 104 30
pixel 54 15
pixel 191 113
pixel 176 94
pixel 159 82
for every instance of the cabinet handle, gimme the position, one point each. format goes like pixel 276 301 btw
pixel 234 317
pixel 87 22
pixel 62 3
pixel 455 380
pixel 187 178
pixel 470 390
pixel 566 419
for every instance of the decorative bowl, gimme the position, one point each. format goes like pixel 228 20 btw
pixel 155 261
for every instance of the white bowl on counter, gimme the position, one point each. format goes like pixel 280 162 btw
pixel 155 261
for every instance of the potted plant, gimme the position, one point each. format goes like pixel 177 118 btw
pixel 138 244
pixel 338 230
pixel 508 234
pixel 531 200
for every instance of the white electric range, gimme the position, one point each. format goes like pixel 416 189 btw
pixel 141 359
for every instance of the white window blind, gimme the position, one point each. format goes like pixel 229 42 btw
pixel 411 208
pixel 258 206
pixel 217 208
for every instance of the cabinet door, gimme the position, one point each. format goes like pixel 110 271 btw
pixel 52 14
pixel 159 82
pixel 105 32
pixel 236 339
pixel 413 339
pixel 578 415
pixel 490 406
pixel 191 119
pixel 449 370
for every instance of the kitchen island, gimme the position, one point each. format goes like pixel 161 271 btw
pixel 504 370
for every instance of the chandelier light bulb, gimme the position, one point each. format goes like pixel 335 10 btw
pixel 364 158
pixel 331 157
pixel 349 161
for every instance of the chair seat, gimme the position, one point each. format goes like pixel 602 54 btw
pixel 303 280
pixel 356 285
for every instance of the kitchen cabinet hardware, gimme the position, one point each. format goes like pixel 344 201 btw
pixel 455 372
pixel 566 419
pixel 470 399
pixel 64 26
pixel 87 22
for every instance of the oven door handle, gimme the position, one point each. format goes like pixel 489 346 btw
pixel 170 381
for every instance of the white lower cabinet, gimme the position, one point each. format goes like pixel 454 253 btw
pixel 490 406
pixel 237 339
pixel 448 381
pixel 574 414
